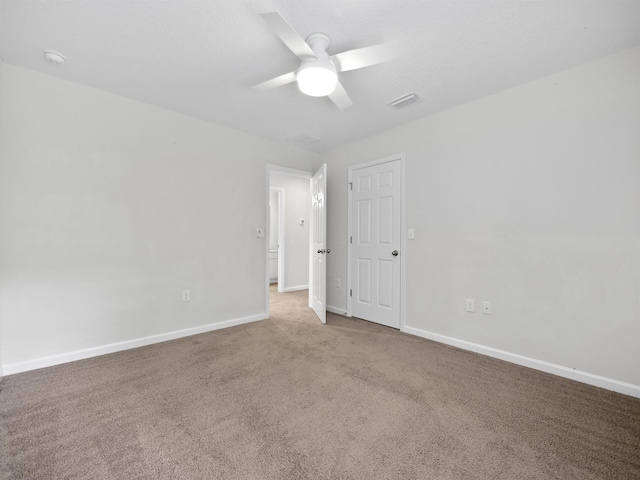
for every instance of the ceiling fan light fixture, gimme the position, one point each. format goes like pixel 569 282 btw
pixel 317 77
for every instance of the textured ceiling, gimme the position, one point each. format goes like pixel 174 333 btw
pixel 201 57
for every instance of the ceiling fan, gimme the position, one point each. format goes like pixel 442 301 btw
pixel 317 75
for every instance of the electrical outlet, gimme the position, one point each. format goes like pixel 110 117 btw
pixel 471 305
pixel 338 283
pixel 411 234
pixel 259 232
pixel 186 295
pixel 486 308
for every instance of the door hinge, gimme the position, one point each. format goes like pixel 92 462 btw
pixel 350 185
pixel 350 239
pixel 350 293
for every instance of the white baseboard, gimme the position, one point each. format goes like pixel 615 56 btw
pixel 570 373
pixel 295 289
pixel 339 311
pixel 42 362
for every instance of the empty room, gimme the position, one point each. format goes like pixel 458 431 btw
pixel 337 239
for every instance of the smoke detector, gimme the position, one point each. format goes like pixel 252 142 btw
pixel 54 57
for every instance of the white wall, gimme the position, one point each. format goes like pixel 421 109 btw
pixel 297 205
pixel 111 208
pixel 529 199
pixel 1 194
pixel 273 220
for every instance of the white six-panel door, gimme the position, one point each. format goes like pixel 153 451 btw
pixel 375 242
pixel 318 267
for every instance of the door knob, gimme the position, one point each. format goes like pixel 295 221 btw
pixel 328 251
pixel 319 251
pixel 394 253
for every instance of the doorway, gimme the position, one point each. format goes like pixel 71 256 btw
pixel 289 201
pixel 375 240
pixel 276 236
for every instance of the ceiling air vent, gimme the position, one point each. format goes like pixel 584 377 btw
pixel 302 140
pixel 403 101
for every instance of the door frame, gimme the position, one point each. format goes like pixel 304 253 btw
pixel 371 163
pixel 272 168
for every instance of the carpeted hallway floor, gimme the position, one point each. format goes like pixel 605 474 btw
pixel 289 398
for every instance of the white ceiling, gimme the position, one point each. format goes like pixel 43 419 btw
pixel 201 57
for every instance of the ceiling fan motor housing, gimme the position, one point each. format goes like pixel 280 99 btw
pixel 317 76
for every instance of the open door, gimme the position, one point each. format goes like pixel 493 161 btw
pixel 318 264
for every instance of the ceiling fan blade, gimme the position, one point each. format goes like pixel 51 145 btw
pixel 365 57
pixel 340 97
pixel 277 82
pixel 288 35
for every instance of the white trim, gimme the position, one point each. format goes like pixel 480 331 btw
pixel 310 223
pixel 559 370
pixel 339 311
pixel 349 235
pixel 49 361
pixel 267 230
pixel 289 171
pixel 379 161
pixel 295 289
pixel 403 243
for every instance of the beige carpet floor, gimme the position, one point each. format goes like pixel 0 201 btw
pixel 289 398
